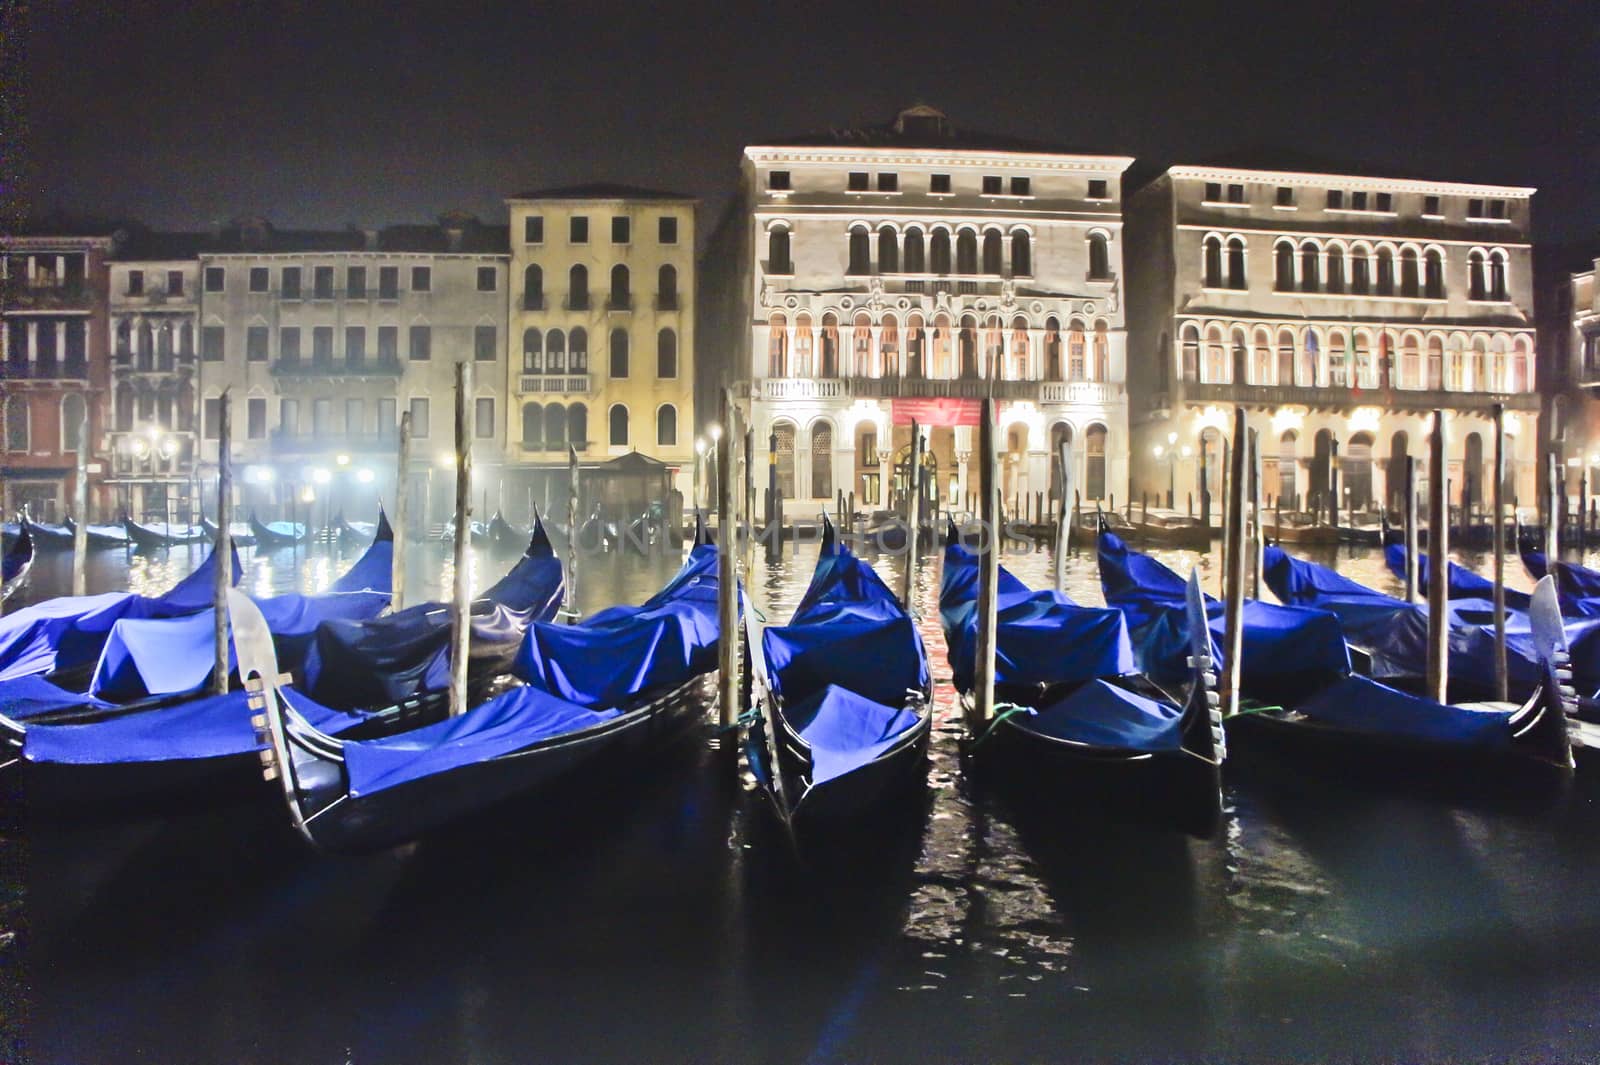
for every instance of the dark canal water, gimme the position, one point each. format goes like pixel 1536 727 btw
pixel 661 919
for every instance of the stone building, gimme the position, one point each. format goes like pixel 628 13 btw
pixel 1574 429
pixel 323 338
pixel 601 335
pixel 53 351
pixel 864 278
pixel 1340 309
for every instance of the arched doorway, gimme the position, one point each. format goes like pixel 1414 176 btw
pixel 1288 470
pixel 1472 472
pixel 822 460
pixel 1094 450
pixel 785 433
pixel 1013 470
pixel 1357 466
pixel 969 347
pixel 1210 460
pixel 867 475
pixel 1060 433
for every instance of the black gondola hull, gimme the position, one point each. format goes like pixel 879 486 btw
pixel 865 799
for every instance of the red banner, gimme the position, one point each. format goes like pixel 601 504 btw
pixel 939 412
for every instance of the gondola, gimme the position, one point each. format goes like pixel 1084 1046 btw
pixel 1460 582
pixel 49 537
pixel 16 563
pixel 843 692
pixel 278 533
pixel 152 537
pixel 239 532
pixel 501 533
pixel 1301 699
pixel 1082 728
pixel 597 534
pixel 100 536
pixel 599 699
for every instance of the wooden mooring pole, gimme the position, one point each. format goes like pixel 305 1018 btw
pixel 988 571
pixel 727 576
pixel 80 509
pixel 397 589
pixel 1064 514
pixel 461 599
pixel 1411 531
pixel 913 516
pixel 1233 585
pixel 1497 494
pixel 222 555
pixel 1438 564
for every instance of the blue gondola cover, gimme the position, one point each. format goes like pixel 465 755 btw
pixel 845 731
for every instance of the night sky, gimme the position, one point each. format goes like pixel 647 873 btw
pixel 182 114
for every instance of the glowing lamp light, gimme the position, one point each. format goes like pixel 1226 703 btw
pixel 169 447
pixel 1364 419
pixel 1172 438
pixel 141 447
pixel 321 475
pixel 1574 462
pixel 1286 419
pixel 1159 450
pixel 1512 424
pixel 308 494
pixel 342 460
pixel 699 445
pixel 365 476
pixel 716 432
pixel 1187 451
pixel 260 474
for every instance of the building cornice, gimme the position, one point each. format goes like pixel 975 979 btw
pixel 941 157
pixel 234 256
pixel 937 215
pixel 42 243
pixel 1293 177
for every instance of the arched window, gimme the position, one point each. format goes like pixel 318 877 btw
pixel 862 363
pixel 1335 269
pixel 822 460
pixel 1021 254
pixel 778 347
pixel 1283 277
pixel 578 351
pixel 1385 272
pixel 667 287
pixel 1310 267
pixel 1317 367
pixel 1409 285
pixel 860 251
pixel 618 368
pixel 532 425
pixel 803 340
pixel 1286 374
pixel 1077 370
pixel 145 353
pixel 621 299
pixel 1217 361
pixel 966 252
pixel 1519 377
pixel 1099 258
pixel 1102 352
pixel 1480 364
pixel 784 432
pixel 1497 275
pixel 578 288
pixel 533 288
pixel 1433 275
pixel 1236 278
pixel 17 423
pixel 667 426
pixel 829 365
pixel 1213 262
pixel 1263 364
pixel 619 425
pixel 969 347
pixel 1288 447
pixel 888 251
pixel 1410 363
pixel 1052 349
pixel 1435 363
pixel 1455 369
pixel 184 344
pixel 124 338
pixel 1365 373
pixel 1191 352
pixel 73 409
pixel 578 424
pixel 993 252
pixel 939 252
pixel 1094 448
pixel 555 426
pixel 1019 369
pixel 915 261
pixel 1475 281
pixel 124 407
pixel 555 353
pixel 666 354
pixel 888 346
pixel 778 261
pixel 532 351
pixel 1360 271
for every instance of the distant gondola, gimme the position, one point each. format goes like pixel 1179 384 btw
pixel 16 563
pixel 99 536
pixel 48 537
pixel 238 531
pixel 278 533
pixel 150 537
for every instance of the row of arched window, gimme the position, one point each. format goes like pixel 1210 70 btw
pixel 556 425
pixel 1011 352
pixel 1358 268
pixel 557 352
pixel 916 249
pixel 152 346
pixel 619 298
pixel 19 421
pixel 170 407
pixel 1357 358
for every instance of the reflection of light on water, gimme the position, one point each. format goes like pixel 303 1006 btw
pixel 263 586
pixel 447 575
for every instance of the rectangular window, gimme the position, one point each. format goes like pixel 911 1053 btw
pixel 215 277
pixel 1385 202
pixel 322 282
pixel 388 282
pixel 1098 189
pixel 387 421
pixel 260 279
pixel 289 343
pixel 256 418
pixel 1474 208
pixel 255 344
pixel 857 181
pixel 1021 186
pixel 211 343
pixel 1358 201
pixel 939 184
pixel 355 344
pixel 419 419
pixel 136 282
pixel 1213 191
pixel 421 343
pixel 322 344
pixel 483 428
pixel 992 185
pixel 389 343
pixel 355 416
pixel 578 230
pixel 667 230
pixel 1430 205
pixel 778 180
pixel 486 279
pixel 174 282
pixel 213 417
pixel 888 182
pixel 1335 199
pixel 533 229
pixel 290 285
pixel 288 417
pixel 620 230
pixel 1235 193
pixel 1285 196
pixel 421 279
pixel 321 417
pixel 1497 208
pixel 355 282
pixel 483 343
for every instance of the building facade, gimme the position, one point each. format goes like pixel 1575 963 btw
pixel 868 278
pixel 323 339
pixel 601 334
pixel 1340 311
pixel 53 348
pixel 1576 417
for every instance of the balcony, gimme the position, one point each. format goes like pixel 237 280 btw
pixel 667 301
pixel 617 303
pixel 336 368
pixel 17 295
pixel 555 384
pixel 576 303
pixel 127 365
pixel 533 302
pixel 1395 399
pixel 1080 392
pixel 804 388
pixel 285 443
pixel 560 446
pixel 45 369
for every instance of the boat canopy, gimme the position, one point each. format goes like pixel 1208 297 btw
pixel 1360 704
pixel 1461 582
pixel 1101 714
pixel 846 731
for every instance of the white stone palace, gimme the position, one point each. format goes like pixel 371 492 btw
pixel 864 278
